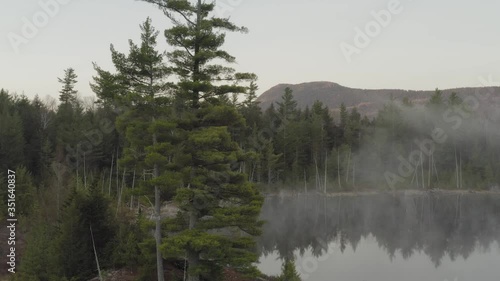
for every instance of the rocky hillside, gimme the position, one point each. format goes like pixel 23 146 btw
pixel 368 102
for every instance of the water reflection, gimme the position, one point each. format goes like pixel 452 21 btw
pixel 440 225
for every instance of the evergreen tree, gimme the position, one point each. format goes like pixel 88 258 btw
pixel 143 90
pixel 29 112
pixel 287 114
pixel 25 191
pixel 82 210
pixel 289 272
pixel 69 123
pixel 219 207
pixel 68 91
pixel 12 142
pixel 436 99
pixel 454 99
pixel 40 260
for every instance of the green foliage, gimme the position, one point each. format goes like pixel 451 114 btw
pixel 436 99
pixel 127 252
pixel 68 92
pixel 39 262
pixel 213 197
pixel 26 194
pixel 454 99
pixel 175 120
pixel 12 140
pixel 85 209
pixel 289 272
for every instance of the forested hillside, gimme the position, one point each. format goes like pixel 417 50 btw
pixel 181 129
pixel 92 177
pixel 69 177
pixel 368 101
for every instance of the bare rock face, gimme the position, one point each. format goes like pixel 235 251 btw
pixel 168 210
pixel 118 275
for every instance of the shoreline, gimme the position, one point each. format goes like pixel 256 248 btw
pixel 285 193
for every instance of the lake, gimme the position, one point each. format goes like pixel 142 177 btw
pixel 379 237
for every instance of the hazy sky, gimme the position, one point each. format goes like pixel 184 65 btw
pixel 425 44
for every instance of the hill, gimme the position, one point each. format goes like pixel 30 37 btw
pixel 368 102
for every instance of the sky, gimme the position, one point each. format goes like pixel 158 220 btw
pixel 369 44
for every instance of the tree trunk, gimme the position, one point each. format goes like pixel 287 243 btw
pixel 119 200
pixel 193 256
pixel 422 168
pixel 347 166
pixel 117 174
pixel 102 181
pixel 84 171
pixel 456 168
pixel 132 196
pixel 353 175
pixel 95 254
pixel 159 259
pixel 430 174
pixel 111 174
pixel 338 168
pixel 77 166
pixel 326 164
pixel 435 168
pixel 318 184
pixel 461 178
pixel 268 176
pixel 193 261
pixel 305 182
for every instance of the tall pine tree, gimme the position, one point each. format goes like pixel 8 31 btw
pixel 219 207
pixel 140 87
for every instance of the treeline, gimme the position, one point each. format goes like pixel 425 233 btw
pixel 93 177
pixel 446 142
pixel 59 200
pixel 69 179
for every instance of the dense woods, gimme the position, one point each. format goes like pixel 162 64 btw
pixel 105 165
pixel 179 131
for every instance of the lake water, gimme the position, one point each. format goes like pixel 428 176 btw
pixel 383 237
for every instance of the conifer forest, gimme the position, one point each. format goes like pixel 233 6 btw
pixel 175 170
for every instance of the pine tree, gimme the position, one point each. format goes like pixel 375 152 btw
pixel 68 91
pixel 248 137
pixel 29 112
pixel 454 99
pixel 40 260
pixel 25 191
pixel 140 85
pixel 82 210
pixel 287 116
pixel 69 123
pixel 219 207
pixel 436 99
pixel 289 272
pixel 12 142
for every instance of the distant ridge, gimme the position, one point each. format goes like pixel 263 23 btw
pixel 368 102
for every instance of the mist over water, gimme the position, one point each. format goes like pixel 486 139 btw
pixel 402 236
pixel 433 145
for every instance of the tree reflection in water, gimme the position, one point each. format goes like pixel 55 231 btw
pixel 436 224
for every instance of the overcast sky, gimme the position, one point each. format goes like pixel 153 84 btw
pixel 425 44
